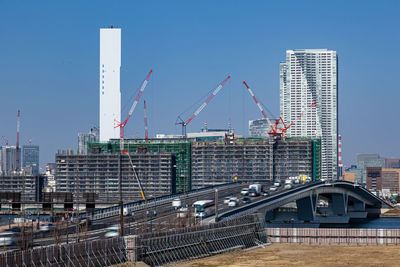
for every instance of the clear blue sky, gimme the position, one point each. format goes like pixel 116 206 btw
pixel 49 56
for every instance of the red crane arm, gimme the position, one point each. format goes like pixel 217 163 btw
pixel 207 101
pixel 301 115
pixel 122 125
pixel 259 107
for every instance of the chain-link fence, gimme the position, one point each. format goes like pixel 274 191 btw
pixel 154 248
pixel 102 252
pixel 189 243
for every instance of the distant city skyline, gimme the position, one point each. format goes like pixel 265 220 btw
pixel 50 63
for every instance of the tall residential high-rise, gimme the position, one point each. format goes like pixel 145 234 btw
pixel 30 158
pixel 110 94
pixel 84 138
pixel 310 75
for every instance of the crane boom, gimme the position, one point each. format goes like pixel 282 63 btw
pixel 260 107
pixel 300 116
pixel 207 101
pixel 122 125
pixel 146 129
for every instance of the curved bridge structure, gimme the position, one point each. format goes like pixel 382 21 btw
pixel 320 202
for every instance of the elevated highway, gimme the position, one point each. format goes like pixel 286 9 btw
pixel 164 203
pixel 319 202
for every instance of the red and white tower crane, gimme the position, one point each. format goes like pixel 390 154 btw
pixel 274 129
pixel 146 129
pixel 186 122
pixel 284 130
pixel 134 104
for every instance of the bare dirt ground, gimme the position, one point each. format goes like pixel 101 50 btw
pixel 304 255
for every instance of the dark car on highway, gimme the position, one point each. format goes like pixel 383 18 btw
pixel 246 200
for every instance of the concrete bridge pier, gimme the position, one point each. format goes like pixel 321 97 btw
pixel 306 208
pixel 356 208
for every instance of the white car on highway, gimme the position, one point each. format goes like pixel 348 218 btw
pixel 244 192
pixel 226 200
pixel 273 188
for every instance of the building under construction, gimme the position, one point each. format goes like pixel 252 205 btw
pixel 114 176
pixel 254 160
pixel 180 148
pixel 166 166
pixel 30 187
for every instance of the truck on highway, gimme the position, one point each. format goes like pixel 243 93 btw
pixel 254 190
pixel 177 203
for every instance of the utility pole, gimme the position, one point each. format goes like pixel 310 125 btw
pixel 120 174
pixel 121 230
pixel 216 203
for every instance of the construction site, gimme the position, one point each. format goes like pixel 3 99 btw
pixel 167 166
pixel 123 169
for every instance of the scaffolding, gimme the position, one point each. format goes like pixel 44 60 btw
pixel 254 160
pixel 112 177
pixel 180 148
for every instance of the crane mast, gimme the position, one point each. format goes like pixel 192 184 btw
pixel 146 129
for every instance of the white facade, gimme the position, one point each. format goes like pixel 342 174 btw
pixel 258 128
pixel 10 160
pixel 307 76
pixel 110 94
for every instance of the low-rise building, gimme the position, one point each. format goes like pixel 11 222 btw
pixel 379 179
pixel 368 160
pixel 30 186
pixel 349 177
